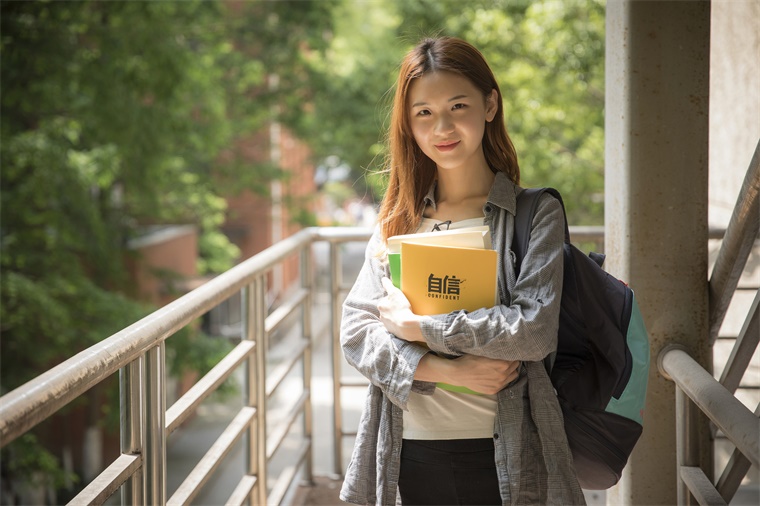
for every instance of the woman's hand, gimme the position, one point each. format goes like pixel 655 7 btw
pixel 397 316
pixel 481 374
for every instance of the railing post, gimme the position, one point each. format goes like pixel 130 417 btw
pixel 255 385
pixel 335 287
pixel 307 282
pixel 131 429
pixel 261 390
pixel 249 381
pixel 154 458
pixel 687 442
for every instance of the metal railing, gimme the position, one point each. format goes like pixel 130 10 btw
pixel 697 389
pixel 138 354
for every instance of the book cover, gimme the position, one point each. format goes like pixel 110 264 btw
pixel 469 237
pixel 442 279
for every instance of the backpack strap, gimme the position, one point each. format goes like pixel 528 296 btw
pixel 527 204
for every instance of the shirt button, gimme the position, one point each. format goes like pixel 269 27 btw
pixel 488 209
pixel 496 436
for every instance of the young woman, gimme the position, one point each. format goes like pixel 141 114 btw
pixel 451 161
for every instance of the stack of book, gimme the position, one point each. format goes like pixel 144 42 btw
pixel 441 272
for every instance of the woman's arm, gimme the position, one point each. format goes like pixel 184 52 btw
pixel 386 361
pixel 524 330
pixel 481 374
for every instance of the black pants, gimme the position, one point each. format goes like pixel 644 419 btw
pixel 447 472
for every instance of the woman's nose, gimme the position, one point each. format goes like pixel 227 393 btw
pixel 444 124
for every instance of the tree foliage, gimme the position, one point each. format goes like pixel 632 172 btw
pixel 548 56
pixel 98 138
pixel 117 115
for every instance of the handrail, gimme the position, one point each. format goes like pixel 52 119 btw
pixel 741 233
pixel 737 422
pixel 33 402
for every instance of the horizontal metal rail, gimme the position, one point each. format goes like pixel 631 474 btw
pixel 735 471
pixel 109 481
pixel 280 314
pixel 242 492
pixel 701 486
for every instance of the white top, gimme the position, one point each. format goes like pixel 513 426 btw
pixel 446 414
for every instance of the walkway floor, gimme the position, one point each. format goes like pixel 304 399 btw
pixel 323 493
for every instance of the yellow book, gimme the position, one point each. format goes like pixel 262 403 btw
pixel 442 279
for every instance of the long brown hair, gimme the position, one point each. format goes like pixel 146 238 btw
pixel 411 172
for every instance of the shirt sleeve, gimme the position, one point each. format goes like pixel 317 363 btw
pixel 526 329
pixel 386 361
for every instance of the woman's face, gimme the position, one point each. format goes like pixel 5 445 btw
pixel 448 115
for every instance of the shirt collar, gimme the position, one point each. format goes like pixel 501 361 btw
pixel 503 193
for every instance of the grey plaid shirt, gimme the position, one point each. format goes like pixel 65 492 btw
pixel 534 463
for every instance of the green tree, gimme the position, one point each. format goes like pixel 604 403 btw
pixel 117 115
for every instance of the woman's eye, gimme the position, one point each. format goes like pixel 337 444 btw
pixel 423 112
pixel 459 106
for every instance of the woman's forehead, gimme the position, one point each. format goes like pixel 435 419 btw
pixel 439 85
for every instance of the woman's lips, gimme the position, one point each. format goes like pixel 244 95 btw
pixel 447 146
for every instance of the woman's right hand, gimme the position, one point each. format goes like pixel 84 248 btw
pixel 481 374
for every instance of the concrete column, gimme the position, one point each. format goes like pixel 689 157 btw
pixel 656 181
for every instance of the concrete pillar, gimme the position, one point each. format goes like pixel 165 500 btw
pixel 656 181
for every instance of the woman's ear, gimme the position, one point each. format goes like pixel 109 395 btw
pixel 492 105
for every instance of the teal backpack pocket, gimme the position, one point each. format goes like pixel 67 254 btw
pixel 631 402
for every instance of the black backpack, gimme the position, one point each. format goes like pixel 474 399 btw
pixel 601 366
